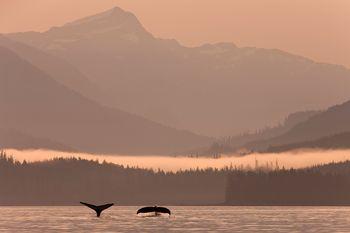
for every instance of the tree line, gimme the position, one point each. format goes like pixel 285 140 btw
pixel 66 181
pixel 320 185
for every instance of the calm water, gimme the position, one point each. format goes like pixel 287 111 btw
pixel 184 219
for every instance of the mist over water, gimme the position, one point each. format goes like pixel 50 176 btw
pixel 296 159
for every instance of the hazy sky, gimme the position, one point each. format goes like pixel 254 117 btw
pixel 319 29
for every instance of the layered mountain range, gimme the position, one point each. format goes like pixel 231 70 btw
pixel 215 89
pixel 328 129
pixel 34 104
pixel 104 84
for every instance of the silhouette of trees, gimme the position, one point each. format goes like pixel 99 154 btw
pixel 68 181
pixel 336 141
pixel 250 141
pixel 319 185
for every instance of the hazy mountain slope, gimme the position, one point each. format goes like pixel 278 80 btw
pixel 35 104
pixel 215 89
pixel 331 122
pixel 338 141
pixel 57 68
pixel 235 142
pixel 14 139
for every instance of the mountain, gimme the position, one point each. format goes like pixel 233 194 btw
pixel 214 89
pixel 234 143
pixel 14 139
pixel 338 141
pixel 57 68
pixel 34 103
pixel 335 120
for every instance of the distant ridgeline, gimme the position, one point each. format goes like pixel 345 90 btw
pixel 322 185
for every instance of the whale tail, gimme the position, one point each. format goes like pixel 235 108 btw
pixel 97 208
pixel 156 209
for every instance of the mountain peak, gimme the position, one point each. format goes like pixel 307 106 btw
pixel 108 27
pixel 115 18
pixel 116 10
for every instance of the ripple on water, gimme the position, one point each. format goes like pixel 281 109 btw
pixel 184 219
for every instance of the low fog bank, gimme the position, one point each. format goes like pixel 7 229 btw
pixel 296 159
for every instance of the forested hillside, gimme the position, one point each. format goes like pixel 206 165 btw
pixel 68 181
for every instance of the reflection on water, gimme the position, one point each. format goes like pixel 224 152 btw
pixel 184 219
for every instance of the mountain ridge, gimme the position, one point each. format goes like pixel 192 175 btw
pixel 13 139
pixel 36 104
pixel 212 90
pixel 334 121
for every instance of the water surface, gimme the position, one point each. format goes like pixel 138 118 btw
pixel 184 219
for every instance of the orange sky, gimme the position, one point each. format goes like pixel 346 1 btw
pixel 319 29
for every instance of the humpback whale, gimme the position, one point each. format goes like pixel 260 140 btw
pixel 156 209
pixel 98 208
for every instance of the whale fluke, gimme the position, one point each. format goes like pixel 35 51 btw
pixel 98 208
pixel 155 209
